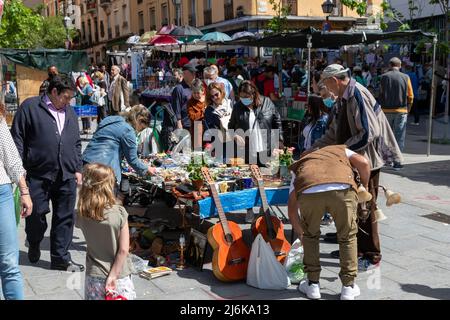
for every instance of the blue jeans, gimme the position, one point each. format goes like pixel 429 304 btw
pixel 397 121
pixel 12 282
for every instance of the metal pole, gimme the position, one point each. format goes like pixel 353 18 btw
pixel 309 64
pixel 432 99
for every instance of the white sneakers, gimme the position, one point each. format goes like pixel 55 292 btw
pixel 349 293
pixel 312 291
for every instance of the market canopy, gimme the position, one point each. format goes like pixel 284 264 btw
pixel 328 39
pixel 65 60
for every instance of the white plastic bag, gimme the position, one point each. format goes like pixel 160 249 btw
pixel 264 271
pixel 294 262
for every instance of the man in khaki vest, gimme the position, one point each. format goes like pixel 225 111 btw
pixel 324 182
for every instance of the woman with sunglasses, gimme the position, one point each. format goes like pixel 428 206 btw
pixel 217 113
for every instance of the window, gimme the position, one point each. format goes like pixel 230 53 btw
pixel 102 29
pixel 124 13
pixel 164 14
pixel 89 32
pixel 96 29
pixel 83 31
pixel 139 1
pixel 207 4
pixel 141 22
pixel 152 18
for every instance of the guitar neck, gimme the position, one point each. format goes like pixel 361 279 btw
pixel 222 217
pixel 262 193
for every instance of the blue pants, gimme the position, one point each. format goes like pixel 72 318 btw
pixel 12 282
pixel 397 122
pixel 62 194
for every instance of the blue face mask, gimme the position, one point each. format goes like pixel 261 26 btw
pixel 246 101
pixel 329 102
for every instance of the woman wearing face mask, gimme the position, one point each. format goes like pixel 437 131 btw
pixel 257 116
pixel 218 111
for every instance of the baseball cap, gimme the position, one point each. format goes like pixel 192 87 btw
pixel 333 70
pixel 189 67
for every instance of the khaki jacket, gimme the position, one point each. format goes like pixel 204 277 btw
pixel 371 134
pixel 121 86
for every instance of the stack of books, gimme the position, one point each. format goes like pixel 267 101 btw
pixel 156 272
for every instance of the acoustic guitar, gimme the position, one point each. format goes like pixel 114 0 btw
pixel 231 254
pixel 270 227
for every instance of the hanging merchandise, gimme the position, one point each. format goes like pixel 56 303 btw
pixel 264 271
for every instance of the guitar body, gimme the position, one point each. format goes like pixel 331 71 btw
pixel 230 260
pixel 279 244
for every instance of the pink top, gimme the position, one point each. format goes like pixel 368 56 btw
pixel 59 115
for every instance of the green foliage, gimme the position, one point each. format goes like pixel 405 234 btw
pixel 21 27
pixel 54 33
pixel 25 28
pixel 359 6
pixel 194 168
pixel 279 22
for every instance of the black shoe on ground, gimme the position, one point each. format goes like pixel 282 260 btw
pixel 335 254
pixel 67 266
pixel 34 253
pixel 397 166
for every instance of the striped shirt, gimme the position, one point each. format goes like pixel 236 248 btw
pixel 11 168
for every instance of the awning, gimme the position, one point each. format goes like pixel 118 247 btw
pixel 329 39
pixel 65 60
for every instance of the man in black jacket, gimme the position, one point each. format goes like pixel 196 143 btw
pixel 46 132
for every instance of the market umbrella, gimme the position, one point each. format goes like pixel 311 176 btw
pixel 186 33
pixel 243 34
pixel 216 37
pixel 133 39
pixel 167 29
pixel 164 40
pixel 147 36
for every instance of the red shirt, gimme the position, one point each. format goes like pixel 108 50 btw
pixel 269 85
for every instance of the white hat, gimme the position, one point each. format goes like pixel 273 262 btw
pixel 333 70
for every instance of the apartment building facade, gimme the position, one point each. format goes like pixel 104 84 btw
pixel 105 25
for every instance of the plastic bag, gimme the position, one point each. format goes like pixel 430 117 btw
pixel 294 262
pixel 114 295
pixel 138 264
pixel 264 271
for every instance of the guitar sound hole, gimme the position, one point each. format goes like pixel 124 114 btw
pixel 236 261
pixel 229 238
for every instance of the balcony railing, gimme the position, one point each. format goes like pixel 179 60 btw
pixel 192 21
pixel 229 11
pixel 117 31
pixel 91 6
pixel 105 3
pixel 207 16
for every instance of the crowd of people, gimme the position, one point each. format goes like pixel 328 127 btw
pixel 356 120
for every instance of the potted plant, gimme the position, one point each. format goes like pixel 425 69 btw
pixel 195 173
pixel 285 159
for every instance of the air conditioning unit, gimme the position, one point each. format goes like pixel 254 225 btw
pixel 176 2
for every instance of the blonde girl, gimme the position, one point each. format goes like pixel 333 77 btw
pixel 105 228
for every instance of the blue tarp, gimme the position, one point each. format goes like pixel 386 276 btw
pixel 243 199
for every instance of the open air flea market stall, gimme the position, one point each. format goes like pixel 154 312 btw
pixel 27 69
pixel 179 181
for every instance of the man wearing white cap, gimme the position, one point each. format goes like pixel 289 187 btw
pixel 359 123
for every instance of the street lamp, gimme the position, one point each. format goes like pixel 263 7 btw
pixel 67 23
pixel 327 6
